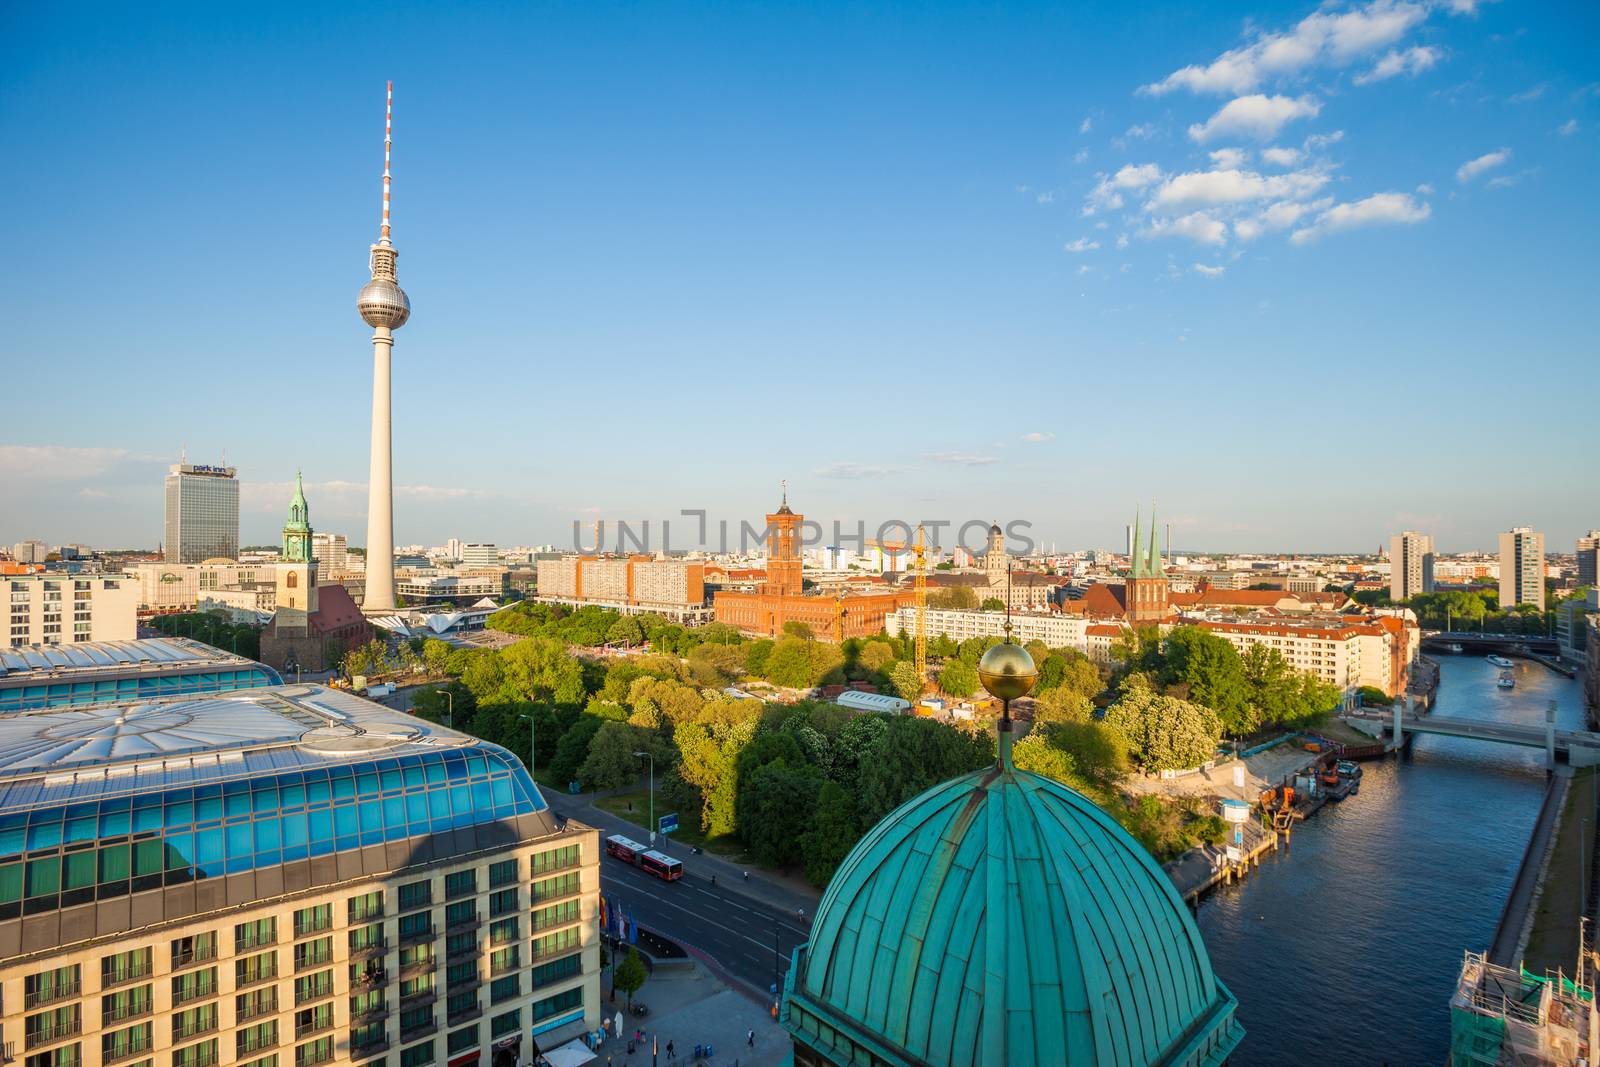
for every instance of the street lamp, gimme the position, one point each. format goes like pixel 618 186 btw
pixel 652 759
pixel 449 709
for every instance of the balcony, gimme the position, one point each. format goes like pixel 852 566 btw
pixel 465 1015
pixel 464 922
pixel 416 937
pixel 377 1011
pixel 373 976
pixel 368 951
pixel 370 1049
pixel 45 1035
pixel 430 1027
pixel 316 1027
pixel 416 967
pixel 54 993
pixel 497 970
pixel 462 951
pixel 420 998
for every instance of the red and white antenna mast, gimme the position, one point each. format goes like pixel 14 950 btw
pixel 388 126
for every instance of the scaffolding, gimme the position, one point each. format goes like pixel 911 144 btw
pixel 1504 1017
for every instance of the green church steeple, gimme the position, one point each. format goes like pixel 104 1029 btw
pixel 297 531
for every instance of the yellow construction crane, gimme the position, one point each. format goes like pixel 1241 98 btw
pixel 920 569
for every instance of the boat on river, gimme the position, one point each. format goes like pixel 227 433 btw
pixel 1500 661
pixel 1506 681
pixel 1455 648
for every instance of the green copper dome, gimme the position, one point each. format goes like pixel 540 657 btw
pixel 1002 918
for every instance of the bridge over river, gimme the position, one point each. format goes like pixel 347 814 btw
pixel 1580 748
pixel 1481 642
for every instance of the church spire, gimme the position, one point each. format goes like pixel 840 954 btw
pixel 1134 562
pixel 1154 568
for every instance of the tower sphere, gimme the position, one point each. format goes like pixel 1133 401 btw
pixel 383 303
pixel 1007 670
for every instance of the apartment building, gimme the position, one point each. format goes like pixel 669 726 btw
pixel 305 879
pixel 168 587
pixel 672 587
pixel 63 609
pixel 1410 565
pixel 1346 651
pixel 1521 568
pixel 1055 630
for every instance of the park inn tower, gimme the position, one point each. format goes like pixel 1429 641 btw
pixel 283 877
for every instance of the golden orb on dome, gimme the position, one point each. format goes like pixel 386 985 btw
pixel 1007 671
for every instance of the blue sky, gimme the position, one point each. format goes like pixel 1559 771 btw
pixel 1304 275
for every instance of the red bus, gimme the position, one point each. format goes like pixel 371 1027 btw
pixel 645 858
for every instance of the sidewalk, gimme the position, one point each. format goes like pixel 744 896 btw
pixel 695 1008
pixel 767 887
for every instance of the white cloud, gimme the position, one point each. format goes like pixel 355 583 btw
pixel 1462 7
pixel 1107 193
pixel 1046 198
pixel 1377 210
pixel 1568 128
pixel 1208 270
pixel 1255 116
pixel 963 459
pixel 1529 95
pixel 63 462
pixel 1324 38
pixel 1281 157
pixel 1248 229
pixel 1506 181
pixel 1411 61
pixel 1323 140
pixel 1196 226
pixel 1082 244
pixel 1084 269
pixel 1081 155
pixel 1474 167
pixel 1039 436
pixel 1234 186
pixel 1122 240
pixel 1086 125
pixel 1142 132
pixel 1230 158
pixel 1425 189
pixel 1279 216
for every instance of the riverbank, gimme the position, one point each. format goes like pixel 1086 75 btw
pixel 1566 880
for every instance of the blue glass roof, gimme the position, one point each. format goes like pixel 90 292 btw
pixel 103 655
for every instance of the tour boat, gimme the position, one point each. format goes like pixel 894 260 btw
pixel 1455 648
pixel 1501 662
pixel 1506 681
pixel 1348 768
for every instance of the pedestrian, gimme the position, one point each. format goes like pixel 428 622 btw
pixel 747 876
pixel 672 1053
pixel 713 881
pixel 750 1038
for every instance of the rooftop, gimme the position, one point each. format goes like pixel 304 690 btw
pixel 54 757
pixel 89 656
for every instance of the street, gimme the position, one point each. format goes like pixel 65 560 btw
pixel 737 931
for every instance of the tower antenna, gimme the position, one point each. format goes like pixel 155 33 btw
pixel 388 122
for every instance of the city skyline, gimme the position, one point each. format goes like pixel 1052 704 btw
pixel 1178 223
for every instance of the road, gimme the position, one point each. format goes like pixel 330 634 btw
pixel 735 930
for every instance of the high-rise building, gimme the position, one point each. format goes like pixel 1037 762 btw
pixel 479 555
pixel 1589 558
pixel 202 513
pixel 385 307
pixel 1410 565
pixel 284 874
pixel 1521 568
pixel 64 609
pixel 30 551
pixel 331 551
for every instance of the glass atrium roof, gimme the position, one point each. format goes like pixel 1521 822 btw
pixel 89 655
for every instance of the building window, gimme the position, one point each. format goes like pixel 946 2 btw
pixel 311 1020
pixel 416 895
pixel 461 1040
pixel 366 1035
pixel 502 873
pixel 312 986
pixel 370 1002
pixel 255 968
pixel 363 938
pixel 504 989
pixel 418 924
pixel 416 986
pixel 503 932
pixel 255 1038
pixel 563 1001
pixel 187 1024
pixel 313 1052
pixel 196 949
pixel 120 1044
pixel 503 902
pixel 508 1023
pixel 65 1056
pixel 203 1054
pixel 555 859
pixel 264 1061
pixel 52 1025
pixel 313 920
pixel 256 1003
pixel 561 886
pixel 46 986
pixel 417 1055
pixel 366 907
pixel 247 936
pixel 415 1020
pixel 460 883
pixel 124 1004
pixel 313 953
pixel 125 966
pixel 193 986
pixel 556 971
pixel 460 913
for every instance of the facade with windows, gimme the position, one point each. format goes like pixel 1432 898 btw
pixel 283 877
pixel 202 518
pixel 64 609
pixel 98 672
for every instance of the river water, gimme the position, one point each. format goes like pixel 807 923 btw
pixel 1345 947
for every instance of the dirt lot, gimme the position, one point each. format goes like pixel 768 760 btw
pixel 1262 771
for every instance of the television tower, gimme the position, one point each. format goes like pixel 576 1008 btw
pixel 384 307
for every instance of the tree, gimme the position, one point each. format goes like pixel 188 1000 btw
pixel 1211 668
pixel 756 654
pixel 777 802
pixel 876 655
pixel 431 703
pixel 1061 705
pixel 630 975
pixel 992 603
pixel 716 665
pixel 796 628
pixel 1039 753
pixel 800 663
pixel 955 597
pixel 436 656
pixel 573 748
pixel 904 680
pixel 834 832
pixel 910 755
pixel 1099 752
pixel 958 679
pixel 610 762
pixel 627 630
pixel 369 659
pixel 1164 733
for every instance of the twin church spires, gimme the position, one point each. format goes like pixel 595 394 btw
pixel 1146 591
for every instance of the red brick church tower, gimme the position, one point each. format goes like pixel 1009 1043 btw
pixel 1146 589
pixel 783 550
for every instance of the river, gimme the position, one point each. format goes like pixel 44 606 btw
pixel 1345 947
